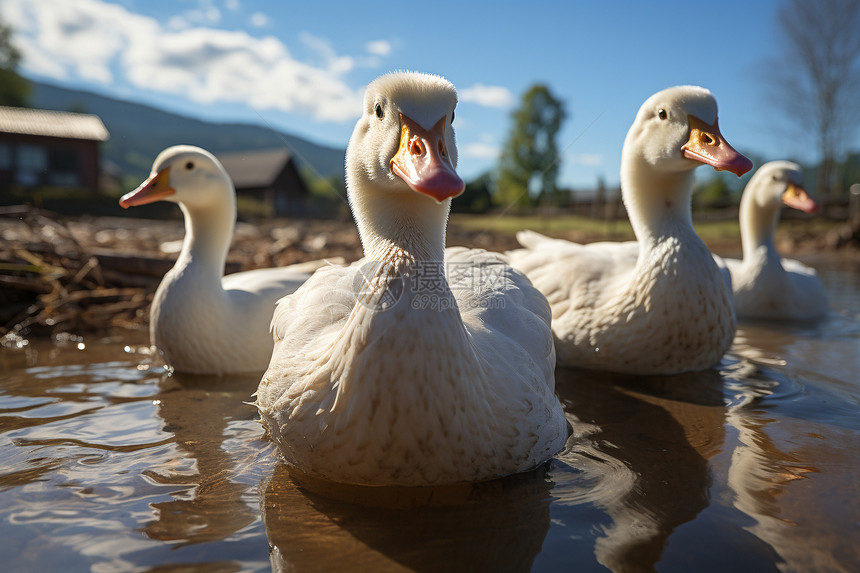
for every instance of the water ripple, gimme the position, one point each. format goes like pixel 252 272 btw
pixel 111 464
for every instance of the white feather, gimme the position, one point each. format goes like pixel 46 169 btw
pixel 401 368
pixel 201 322
pixel 660 305
pixel 767 286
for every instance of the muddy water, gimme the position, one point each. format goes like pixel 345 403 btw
pixel 108 464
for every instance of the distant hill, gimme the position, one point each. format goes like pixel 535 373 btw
pixel 139 132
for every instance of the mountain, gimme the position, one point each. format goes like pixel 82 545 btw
pixel 139 132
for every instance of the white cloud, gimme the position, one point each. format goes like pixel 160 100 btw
pixel 62 39
pixel 259 20
pixel 481 150
pixel 487 96
pixel 98 41
pixel 378 48
pixel 204 14
pixel 588 159
pixel 233 5
pixel 326 54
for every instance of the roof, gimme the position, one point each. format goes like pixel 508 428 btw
pixel 48 123
pixel 250 169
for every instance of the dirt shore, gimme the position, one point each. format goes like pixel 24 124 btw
pixel 92 274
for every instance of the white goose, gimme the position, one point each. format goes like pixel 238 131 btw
pixel 404 369
pixel 660 305
pixel 765 285
pixel 201 321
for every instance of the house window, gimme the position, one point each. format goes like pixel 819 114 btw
pixel 5 156
pixel 32 163
pixel 64 167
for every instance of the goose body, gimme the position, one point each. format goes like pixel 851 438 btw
pixel 416 365
pixel 661 304
pixel 201 321
pixel 767 286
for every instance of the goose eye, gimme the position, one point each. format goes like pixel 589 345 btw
pixel 379 113
pixel 189 166
pixel 661 113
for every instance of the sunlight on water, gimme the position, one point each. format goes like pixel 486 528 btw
pixel 111 464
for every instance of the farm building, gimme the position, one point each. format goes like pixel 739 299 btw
pixel 270 176
pixel 41 148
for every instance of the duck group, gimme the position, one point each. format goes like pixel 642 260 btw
pixel 423 365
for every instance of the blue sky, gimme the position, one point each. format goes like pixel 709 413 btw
pixel 302 67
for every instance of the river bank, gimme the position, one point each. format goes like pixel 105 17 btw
pixel 88 274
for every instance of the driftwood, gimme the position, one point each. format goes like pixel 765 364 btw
pixel 74 275
pixel 51 282
pixel 81 274
pixel 143 266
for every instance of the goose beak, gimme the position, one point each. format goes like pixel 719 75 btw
pixel 707 145
pixel 423 162
pixel 796 197
pixel 155 188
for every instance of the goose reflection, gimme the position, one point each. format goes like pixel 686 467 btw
pixel 492 526
pixel 793 440
pixel 646 442
pixel 207 504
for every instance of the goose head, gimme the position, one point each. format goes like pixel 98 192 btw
pixel 677 130
pixel 774 184
pixel 781 182
pixel 401 159
pixel 187 175
pixel 404 141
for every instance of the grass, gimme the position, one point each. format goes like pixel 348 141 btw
pixel 721 235
pixel 579 226
pixel 252 208
pixel 552 225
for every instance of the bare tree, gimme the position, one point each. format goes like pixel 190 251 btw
pixel 815 78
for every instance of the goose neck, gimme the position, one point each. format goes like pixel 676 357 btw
pixel 656 201
pixel 402 227
pixel 208 233
pixel 758 224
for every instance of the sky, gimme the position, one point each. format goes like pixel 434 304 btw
pixel 301 67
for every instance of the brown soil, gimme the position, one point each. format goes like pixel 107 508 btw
pixel 94 274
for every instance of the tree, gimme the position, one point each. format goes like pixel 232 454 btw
pixel 476 197
pixel 816 77
pixel 713 193
pixel 14 89
pixel 530 160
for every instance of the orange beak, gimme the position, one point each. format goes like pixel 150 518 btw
pixel 155 188
pixel 707 145
pixel 796 197
pixel 423 162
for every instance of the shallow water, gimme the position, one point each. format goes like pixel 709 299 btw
pixel 107 463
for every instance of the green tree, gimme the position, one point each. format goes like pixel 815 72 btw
pixel 14 90
pixel 712 193
pixel 476 198
pixel 851 170
pixel 530 161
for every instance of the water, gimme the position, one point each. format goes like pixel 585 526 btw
pixel 108 464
